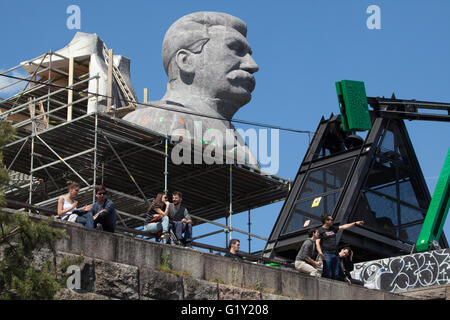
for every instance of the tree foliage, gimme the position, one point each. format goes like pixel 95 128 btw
pixel 20 239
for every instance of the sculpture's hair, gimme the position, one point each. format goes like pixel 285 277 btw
pixel 191 32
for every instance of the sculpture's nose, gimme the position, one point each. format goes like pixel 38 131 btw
pixel 249 64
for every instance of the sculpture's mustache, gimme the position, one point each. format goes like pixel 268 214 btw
pixel 242 76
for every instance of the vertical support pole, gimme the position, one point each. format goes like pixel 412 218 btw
pixel 110 79
pixel 145 95
pixel 95 143
pixel 70 92
pixel 103 173
pixel 48 90
pixel 249 231
pixel 166 159
pixel 95 157
pixel 33 132
pixel 227 231
pixel 231 199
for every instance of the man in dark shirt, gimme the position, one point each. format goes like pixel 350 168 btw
pixel 235 244
pixel 306 257
pixel 327 246
pixel 180 219
pixel 103 210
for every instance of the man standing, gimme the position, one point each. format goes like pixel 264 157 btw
pixel 235 244
pixel 306 257
pixel 327 246
pixel 103 210
pixel 180 219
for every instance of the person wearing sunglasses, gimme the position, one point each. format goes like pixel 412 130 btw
pixel 326 245
pixel 103 210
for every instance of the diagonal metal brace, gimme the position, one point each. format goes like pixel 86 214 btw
pixel 62 160
pixel 126 169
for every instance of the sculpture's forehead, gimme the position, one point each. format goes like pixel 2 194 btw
pixel 226 34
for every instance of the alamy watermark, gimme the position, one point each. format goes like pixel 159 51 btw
pixel 74 280
pixel 374 20
pixel 246 147
pixel 74 20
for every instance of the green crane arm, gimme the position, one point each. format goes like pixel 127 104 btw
pixel 437 211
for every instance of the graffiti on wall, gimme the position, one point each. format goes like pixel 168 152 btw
pixel 405 272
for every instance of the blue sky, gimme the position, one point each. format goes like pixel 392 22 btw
pixel 301 48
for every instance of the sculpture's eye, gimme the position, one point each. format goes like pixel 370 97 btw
pixel 240 48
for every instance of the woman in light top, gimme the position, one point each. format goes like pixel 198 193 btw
pixel 67 206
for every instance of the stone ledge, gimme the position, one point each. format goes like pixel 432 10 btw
pixel 137 260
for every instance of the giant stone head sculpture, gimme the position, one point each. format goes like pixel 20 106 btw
pixel 208 61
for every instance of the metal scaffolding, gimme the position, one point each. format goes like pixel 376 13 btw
pixel 64 142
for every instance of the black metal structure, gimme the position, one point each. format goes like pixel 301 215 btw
pixel 377 179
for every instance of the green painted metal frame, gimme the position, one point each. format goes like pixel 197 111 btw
pixel 437 211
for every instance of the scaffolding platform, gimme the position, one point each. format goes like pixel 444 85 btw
pixel 59 138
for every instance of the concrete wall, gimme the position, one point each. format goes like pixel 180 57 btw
pixel 121 267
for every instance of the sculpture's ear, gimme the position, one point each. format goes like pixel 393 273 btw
pixel 184 60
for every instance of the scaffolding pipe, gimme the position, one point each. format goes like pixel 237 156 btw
pixel 33 130
pixel 95 143
pixel 13 83
pixel 25 122
pixel 17 155
pixel 227 227
pixel 249 230
pixel 17 109
pixel 49 129
pixel 166 159
pixel 62 160
pixel 126 169
pixel 231 200
pixel 34 74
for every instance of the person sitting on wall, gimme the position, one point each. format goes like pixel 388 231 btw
pixel 306 257
pixel 235 244
pixel 157 219
pixel 103 210
pixel 67 207
pixel 180 219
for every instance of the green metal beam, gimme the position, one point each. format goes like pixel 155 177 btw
pixel 437 211
pixel 353 105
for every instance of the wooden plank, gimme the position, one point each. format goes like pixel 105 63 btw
pixel 110 78
pixel 145 95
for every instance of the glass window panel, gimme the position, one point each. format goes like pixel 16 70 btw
pixel 325 179
pixel 389 190
pixel 311 209
pixel 408 214
pixel 393 146
pixel 410 234
pixel 407 193
pixel 385 209
pixel 388 143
